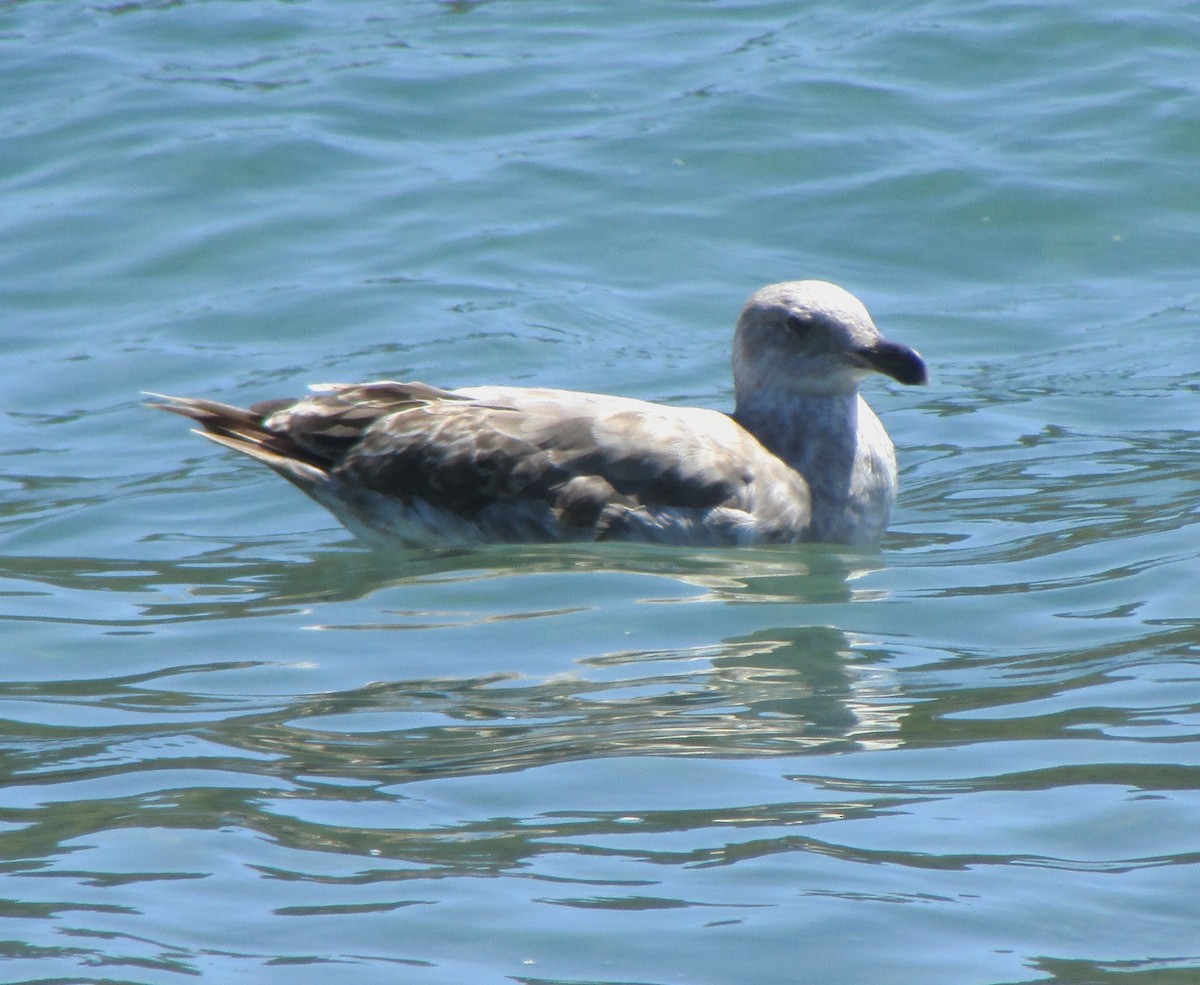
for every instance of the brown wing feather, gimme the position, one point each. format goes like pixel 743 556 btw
pixel 466 457
pixel 318 430
pixel 592 464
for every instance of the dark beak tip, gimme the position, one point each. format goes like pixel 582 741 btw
pixel 902 364
pixel 921 375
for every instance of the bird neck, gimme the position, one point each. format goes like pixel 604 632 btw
pixel 819 437
pixel 803 429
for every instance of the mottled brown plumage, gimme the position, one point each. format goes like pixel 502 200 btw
pixel 411 463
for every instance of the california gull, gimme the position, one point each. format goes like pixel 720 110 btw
pixel 801 458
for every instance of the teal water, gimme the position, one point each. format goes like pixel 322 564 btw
pixel 237 746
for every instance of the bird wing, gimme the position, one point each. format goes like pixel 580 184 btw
pixel 579 464
pixel 595 462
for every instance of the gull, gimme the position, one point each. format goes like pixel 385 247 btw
pixel 802 458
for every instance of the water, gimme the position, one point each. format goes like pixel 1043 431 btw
pixel 237 745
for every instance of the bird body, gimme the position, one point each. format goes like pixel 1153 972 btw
pixel 802 457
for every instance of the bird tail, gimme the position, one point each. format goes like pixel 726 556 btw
pixel 244 430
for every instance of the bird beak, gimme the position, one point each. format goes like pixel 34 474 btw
pixel 902 364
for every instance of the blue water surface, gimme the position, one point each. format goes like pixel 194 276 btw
pixel 235 744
